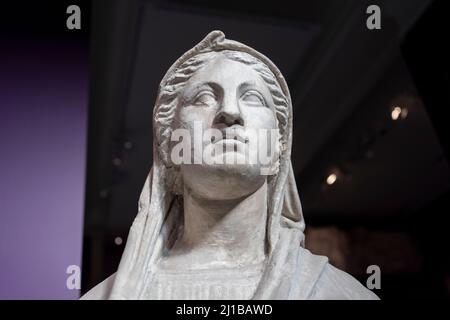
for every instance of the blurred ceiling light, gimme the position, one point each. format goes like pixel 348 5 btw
pixel 398 112
pixel 395 113
pixel 404 113
pixel 128 145
pixel 331 179
pixel 118 241
pixel 117 162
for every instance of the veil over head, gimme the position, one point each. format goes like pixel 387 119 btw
pixel 160 209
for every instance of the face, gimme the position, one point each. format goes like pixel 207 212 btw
pixel 229 114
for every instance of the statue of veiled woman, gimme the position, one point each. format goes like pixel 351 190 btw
pixel 222 230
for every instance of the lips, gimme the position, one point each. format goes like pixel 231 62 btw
pixel 232 136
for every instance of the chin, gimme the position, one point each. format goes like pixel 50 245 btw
pixel 224 181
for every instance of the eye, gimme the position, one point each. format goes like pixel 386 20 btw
pixel 205 98
pixel 253 98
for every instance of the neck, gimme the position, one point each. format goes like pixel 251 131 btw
pixel 225 232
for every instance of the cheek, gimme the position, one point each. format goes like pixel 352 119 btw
pixel 187 116
pixel 264 142
pixel 263 118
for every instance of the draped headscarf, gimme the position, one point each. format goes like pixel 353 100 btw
pixel 160 207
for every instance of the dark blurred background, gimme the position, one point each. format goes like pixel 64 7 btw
pixel 370 149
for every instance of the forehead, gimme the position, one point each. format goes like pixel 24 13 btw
pixel 223 71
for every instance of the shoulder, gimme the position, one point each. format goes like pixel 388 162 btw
pixel 324 281
pixel 339 285
pixel 101 291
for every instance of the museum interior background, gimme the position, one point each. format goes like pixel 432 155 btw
pixel 370 148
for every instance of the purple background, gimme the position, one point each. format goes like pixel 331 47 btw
pixel 43 132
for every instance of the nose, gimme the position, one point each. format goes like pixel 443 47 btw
pixel 229 113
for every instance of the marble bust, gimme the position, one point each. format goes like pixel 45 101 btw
pixel 223 222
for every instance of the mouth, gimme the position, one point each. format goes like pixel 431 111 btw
pixel 231 137
pixel 230 142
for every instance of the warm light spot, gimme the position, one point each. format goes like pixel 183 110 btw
pixel 331 179
pixel 396 112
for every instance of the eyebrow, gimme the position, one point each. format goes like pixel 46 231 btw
pixel 207 84
pixel 247 84
pixel 196 88
pixel 217 88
